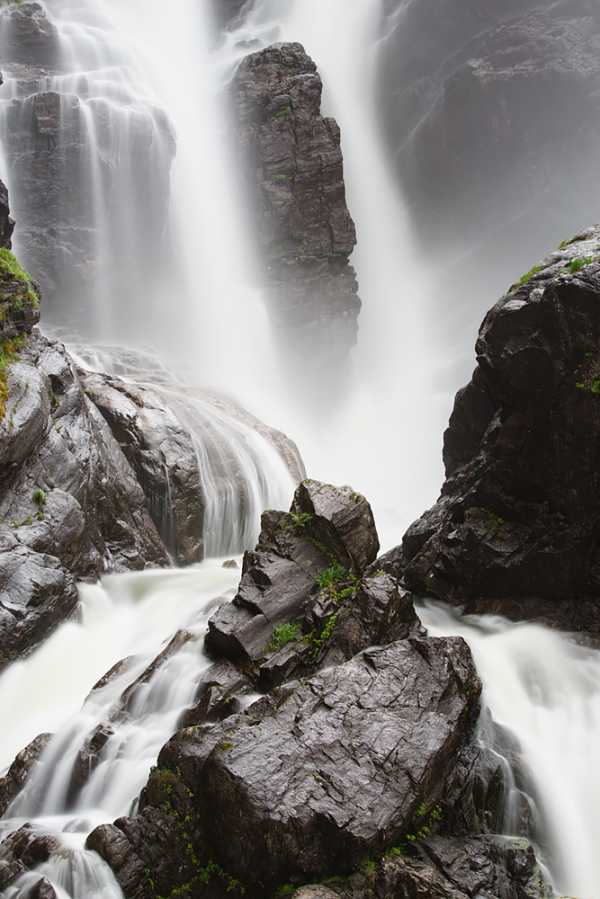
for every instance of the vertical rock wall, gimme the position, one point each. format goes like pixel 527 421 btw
pixel 304 228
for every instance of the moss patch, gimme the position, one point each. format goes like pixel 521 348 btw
pixel 11 268
pixel 9 353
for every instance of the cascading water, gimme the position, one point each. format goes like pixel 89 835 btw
pixel 539 686
pixel 127 617
pixel 241 473
pixel 86 117
pixel 543 689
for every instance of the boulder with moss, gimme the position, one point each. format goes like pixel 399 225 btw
pixel 326 540
pixel 518 514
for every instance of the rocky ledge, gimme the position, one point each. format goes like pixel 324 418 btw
pixel 516 525
pixel 355 772
pixel 295 173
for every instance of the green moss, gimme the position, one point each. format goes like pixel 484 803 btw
pixel 283 113
pixel 299 520
pixel 11 267
pixel 282 635
pixel 9 353
pixel 332 576
pixel 317 640
pixel 575 265
pixel 524 279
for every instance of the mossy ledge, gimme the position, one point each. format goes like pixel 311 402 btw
pixel 19 313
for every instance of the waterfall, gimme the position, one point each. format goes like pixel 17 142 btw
pixel 543 689
pixel 133 618
pixel 90 228
pixel 240 470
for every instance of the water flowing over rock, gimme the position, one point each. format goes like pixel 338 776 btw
pixel 18 773
pixel 295 172
pixel 371 748
pixel 101 475
pixel 518 513
pixel 72 122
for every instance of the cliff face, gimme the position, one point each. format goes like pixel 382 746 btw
pixel 519 512
pixel 492 113
pixel 295 171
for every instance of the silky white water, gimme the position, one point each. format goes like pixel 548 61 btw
pixel 126 617
pixel 241 472
pixel 544 690
pixel 143 80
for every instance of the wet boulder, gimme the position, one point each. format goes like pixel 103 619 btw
pixel 23 850
pixel 518 513
pixel 20 770
pixel 328 529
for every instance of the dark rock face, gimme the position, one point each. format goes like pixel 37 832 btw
pixel 309 781
pixel 359 767
pixel 18 773
pixel 326 526
pixel 154 442
pixel 518 514
pixel 6 223
pixel 447 869
pixel 22 850
pixel 362 748
pixel 466 89
pixel 316 789
pixel 295 172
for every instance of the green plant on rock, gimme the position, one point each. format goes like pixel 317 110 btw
pixel 575 265
pixel 339 583
pixel 524 279
pixel 40 499
pixel 332 576
pixel 9 352
pixel 282 635
pixel 11 267
pixel 300 520
pixel 318 639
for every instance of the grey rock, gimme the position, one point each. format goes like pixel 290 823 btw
pixel 306 782
pixel 70 506
pixel 18 773
pixel 446 869
pixel 22 850
pixel 6 223
pixel 517 517
pixel 154 442
pixel 325 525
pixel 296 183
